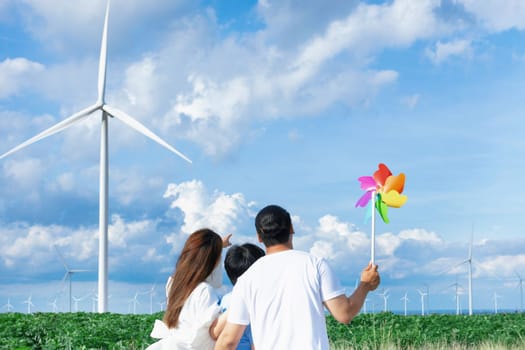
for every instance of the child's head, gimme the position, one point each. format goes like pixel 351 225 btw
pixel 239 258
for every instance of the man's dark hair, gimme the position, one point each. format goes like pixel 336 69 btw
pixel 239 258
pixel 273 224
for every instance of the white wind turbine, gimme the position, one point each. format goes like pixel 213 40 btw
pixel 161 305
pixel 385 296
pixel 76 300
pixel 521 291
pixel 422 295
pixel 8 306
pixel 107 111
pixel 54 305
pixel 29 303
pixel 457 296
pixel 496 297
pixel 405 301
pixel 69 273
pixel 469 262
pixel 151 293
pixel 135 301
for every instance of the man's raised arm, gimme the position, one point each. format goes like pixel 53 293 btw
pixel 230 336
pixel 345 308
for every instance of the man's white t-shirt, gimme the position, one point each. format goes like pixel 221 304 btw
pixel 281 295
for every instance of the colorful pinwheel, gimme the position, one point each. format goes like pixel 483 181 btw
pixel 383 190
pixel 387 189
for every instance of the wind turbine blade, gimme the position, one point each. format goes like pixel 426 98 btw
pixel 62 260
pixel 471 242
pixel 103 59
pixel 64 124
pixel 135 124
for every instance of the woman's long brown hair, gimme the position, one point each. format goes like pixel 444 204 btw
pixel 200 255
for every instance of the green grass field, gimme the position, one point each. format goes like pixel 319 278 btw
pixel 371 331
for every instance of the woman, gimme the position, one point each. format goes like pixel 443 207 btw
pixel 190 320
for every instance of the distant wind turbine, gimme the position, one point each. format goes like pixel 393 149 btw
pixel 161 305
pixel 69 273
pixel 135 301
pixel 8 306
pixel 496 297
pixel 54 305
pixel 364 305
pixel 385 296
pixel 107 111
pixel 457 296
pixel 405 301
pixel 469 261
pixel 422 295
pixel 76 300
pixel 151 292
pixel 521 291
pixel 29 304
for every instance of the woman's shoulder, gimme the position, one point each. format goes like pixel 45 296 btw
pixel 204 290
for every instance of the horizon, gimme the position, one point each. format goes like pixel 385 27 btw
pixel 276 103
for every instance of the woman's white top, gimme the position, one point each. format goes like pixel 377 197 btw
pixel 192 333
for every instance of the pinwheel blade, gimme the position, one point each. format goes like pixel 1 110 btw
pixel 64 124
pixel 363 201
pixel 382 208
pixel 102 63
pixel 394 199
pixel 135 124
pixel 396 183
pixel 367 183
pixel 382 174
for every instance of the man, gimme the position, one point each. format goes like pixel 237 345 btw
pixel 283 294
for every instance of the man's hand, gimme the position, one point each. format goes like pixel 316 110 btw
pixel 226 240
pixel 370 277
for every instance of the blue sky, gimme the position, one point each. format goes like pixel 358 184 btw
pixel 284 102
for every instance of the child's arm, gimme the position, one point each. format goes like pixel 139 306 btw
pixel 218 325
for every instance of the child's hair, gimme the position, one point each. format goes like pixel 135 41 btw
pixel 200 255
pixel 239 258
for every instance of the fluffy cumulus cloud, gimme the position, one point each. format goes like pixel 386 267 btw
pixel 497 15
pixel 221 212
pixel 446 50
pixel 217 101
pixel 17 74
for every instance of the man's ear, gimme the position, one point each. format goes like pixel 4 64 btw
pixel 259 239
pixel 292 231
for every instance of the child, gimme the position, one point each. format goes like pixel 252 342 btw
pixel 190 320
pixel 238 259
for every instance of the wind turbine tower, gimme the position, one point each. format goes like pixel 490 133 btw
pixel 385 299
pixel 469 261
pixel 69 273
pixel 422 295
pixel 106 112
pixel 521 291
pixel 8 306
pixel 405 301
pixel 29 304
pixel 496 297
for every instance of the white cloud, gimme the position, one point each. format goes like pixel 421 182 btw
pixel 421 235
pixel 443 51
pixel 121 232
pixel 26 172
pixel 497 15
pixel 17 74
pixel 62 24
pixel 218 211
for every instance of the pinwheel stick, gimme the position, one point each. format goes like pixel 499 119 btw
pixel 373 236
